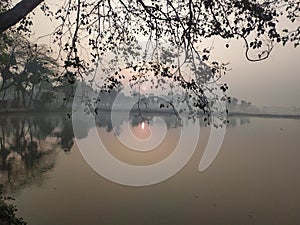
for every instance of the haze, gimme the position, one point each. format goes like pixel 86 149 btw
pixel 273 82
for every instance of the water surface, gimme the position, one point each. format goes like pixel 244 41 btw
pixel 254 179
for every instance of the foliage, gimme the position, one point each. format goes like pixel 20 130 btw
pixel 26 68
pixel 161 41
pixel 8 211
pixel 116 26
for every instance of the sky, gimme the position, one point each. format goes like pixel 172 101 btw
pixel 272 82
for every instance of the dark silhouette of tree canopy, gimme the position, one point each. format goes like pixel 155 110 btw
pixel 182 22
pixel 26 70
pixel 160 38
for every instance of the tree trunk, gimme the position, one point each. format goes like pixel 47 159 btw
pixel 18 12
pixel 31 96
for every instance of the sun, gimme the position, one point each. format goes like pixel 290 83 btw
pixel 144 88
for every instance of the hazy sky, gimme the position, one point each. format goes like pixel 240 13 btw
pixel 273 82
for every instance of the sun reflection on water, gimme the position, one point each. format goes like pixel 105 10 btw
pixel 143 125
pixel 142 131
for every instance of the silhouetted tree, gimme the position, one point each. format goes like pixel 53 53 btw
pixel 26 69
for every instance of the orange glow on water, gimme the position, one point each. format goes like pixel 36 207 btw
pixel 142 131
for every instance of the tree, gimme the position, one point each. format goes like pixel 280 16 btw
pixel 25 69
pixel 159 41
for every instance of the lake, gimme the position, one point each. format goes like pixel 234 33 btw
pixel 253 180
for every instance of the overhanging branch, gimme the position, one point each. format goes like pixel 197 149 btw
pixel 12 16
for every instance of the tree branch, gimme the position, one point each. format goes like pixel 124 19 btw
pixel 12 16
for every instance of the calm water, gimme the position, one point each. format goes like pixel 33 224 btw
pixel 254 179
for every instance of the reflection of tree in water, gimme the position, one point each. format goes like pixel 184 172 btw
pixel 144 110
pixel 103 120
pixel 171 120
pixel 235 121
pixel 28 147
pixel 136 117
pixel 149 107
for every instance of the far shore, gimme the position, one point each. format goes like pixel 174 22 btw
pixel 68 110
pixel 17 111
pixel 264 115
